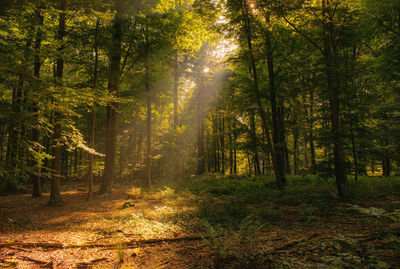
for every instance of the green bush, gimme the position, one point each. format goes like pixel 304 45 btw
pixel 9 183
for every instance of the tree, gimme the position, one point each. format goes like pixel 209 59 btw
pixel 55 197
pixel 113 87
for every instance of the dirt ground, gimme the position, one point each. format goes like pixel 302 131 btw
pixel 128 229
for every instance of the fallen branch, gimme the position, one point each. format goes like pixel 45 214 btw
pixel 26 258
pixel 32 245
pixel 133 243
pixel 83 265
pixel 20 249
pixel 296 242
pixel 285 248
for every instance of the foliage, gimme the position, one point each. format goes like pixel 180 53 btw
pixel 227 201
pixel 233 247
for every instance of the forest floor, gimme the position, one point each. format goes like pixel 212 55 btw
pixel 201 225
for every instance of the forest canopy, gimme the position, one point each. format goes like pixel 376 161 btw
pixel 158 91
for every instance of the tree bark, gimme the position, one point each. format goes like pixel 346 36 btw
pixel 332 74
pixel 280 176
pixel 93 115
pixel 230 148
pixel 113 88
pixel 200 130
pixel 222 139
pixel 36 188
pixel 55 196
pixel 277 124
pixel 177 167
pixel 148 161
pixel 311 131
pixel 254 144
pixel 296 151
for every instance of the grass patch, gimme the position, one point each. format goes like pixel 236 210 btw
pixel 229 200
pixel 373 188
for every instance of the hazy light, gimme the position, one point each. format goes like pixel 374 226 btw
pixel 206 70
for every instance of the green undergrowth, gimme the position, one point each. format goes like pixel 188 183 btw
pixel 373 188
pixel 228 200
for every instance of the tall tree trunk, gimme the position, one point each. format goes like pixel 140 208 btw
pixel 139 149
pixel 306 161
pixel 296 151
pixel 311 131
pixel 176 88
pixel 282 136
pixel 332 74
pixel 230 148
pixel 217 142
pixel 175 97
pixel 222 139
pixel 113 88
pixel 13 133
pixel 276 162
pixel 15 124
pixel 1 145
pixel 208 149
pixel 93 115
pixel 200 130
pixel 148 124
pixel 36 188
pixel 55 196
pixel 276 108
pixel 254 144
pixel 249 164
pixel 234 151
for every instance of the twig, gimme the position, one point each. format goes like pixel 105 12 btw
pixel 285 248
pixel 26 258
pixel 21 249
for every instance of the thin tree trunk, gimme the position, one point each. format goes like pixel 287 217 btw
pixel 282 136
pixel 296 150
pixel 230 149
pixel 306 162
pixel 311 131
pixel 15 127
pixel 208 148
pixel 113 88
pixel 1 145
pixel 93 115
pixel 279 174
pixel 36 188
pixel 222 135
pixel 175 97
pixel 217 141
pixel 176 88
pixel 234 151
pixel 148 125
pixel 200 114
pixel 333 87
pixel 249 164
pixel 55 196
pixel 277 120
pixel 254 144
pixel 200 136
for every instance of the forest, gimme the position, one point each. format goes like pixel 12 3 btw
pixel 200 133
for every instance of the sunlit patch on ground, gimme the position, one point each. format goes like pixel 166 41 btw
pixel 301 236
